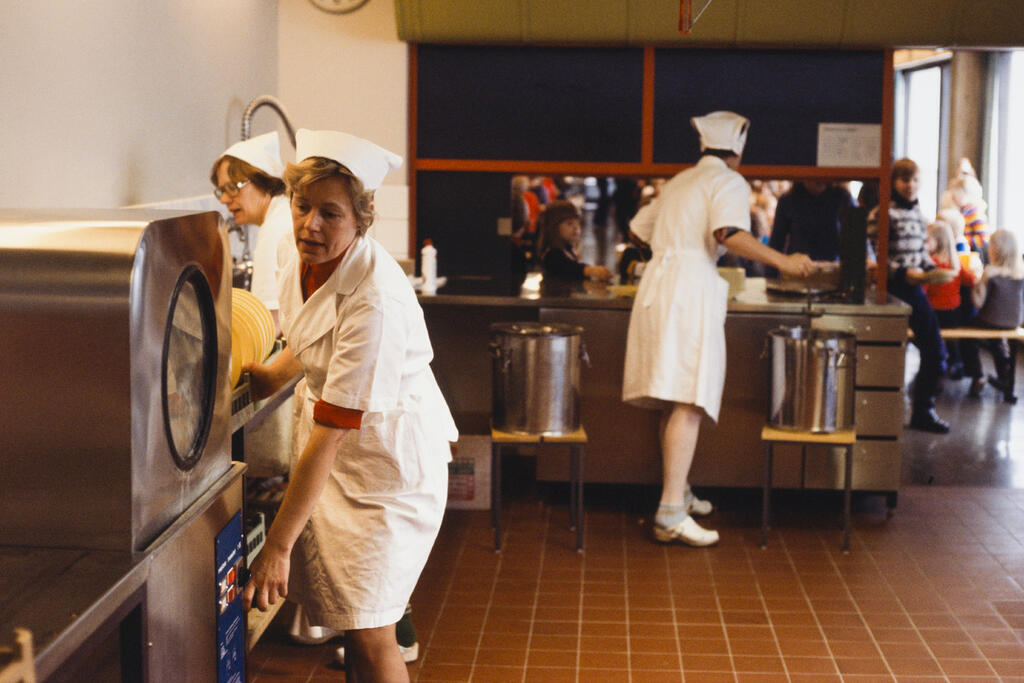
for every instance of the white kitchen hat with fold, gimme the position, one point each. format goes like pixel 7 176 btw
pixel 367 161
pixel 722 130
pixel 262 151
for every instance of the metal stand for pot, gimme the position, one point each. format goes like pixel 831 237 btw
pixel 846 438
pixel 576 442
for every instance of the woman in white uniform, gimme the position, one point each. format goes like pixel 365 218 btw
pixel 368 489
pixel 247 180
pixel 675 349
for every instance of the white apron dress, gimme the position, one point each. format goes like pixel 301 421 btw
pixel 363 345
pixel 675 347
pixel 265 262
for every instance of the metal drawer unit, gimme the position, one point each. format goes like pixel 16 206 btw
pixel 881 354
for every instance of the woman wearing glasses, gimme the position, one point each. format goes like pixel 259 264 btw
pixel 247 180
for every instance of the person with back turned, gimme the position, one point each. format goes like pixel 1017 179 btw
pixel 675 349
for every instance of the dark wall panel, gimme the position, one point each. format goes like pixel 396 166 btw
pixel 535 103
pixel 784 93
pixel 459 211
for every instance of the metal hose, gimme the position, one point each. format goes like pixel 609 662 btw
pixel 274 104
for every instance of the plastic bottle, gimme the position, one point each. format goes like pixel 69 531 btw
pixel 428 267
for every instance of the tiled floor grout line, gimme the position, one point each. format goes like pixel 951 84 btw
pixel 960 623
pixel 536 592
pixel 807 599
pixel 444 599
pixel 625 598
pixel 487 612
pixel 675 616
pixel 764 606
pixel 721 614
pixel 579 607
pixel 885 578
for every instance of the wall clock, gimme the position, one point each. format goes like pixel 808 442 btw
pixel 338 6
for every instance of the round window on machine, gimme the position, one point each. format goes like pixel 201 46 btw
pixel 189 375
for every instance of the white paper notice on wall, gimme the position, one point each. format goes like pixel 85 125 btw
pixel 849 144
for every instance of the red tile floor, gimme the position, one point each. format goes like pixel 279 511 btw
pixel 934 593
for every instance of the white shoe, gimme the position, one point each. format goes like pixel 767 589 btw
pixel 409 654
pixel 304 633
pixel 688 532
pixel 695 506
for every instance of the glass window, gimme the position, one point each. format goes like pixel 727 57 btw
pixel 1006 144
pixel 189 370
pixel 920 128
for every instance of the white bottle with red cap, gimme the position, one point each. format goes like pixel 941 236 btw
pixel 428 267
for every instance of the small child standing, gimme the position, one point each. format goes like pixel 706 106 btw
pixel 945 297
pixel 559 230
pixel 999 296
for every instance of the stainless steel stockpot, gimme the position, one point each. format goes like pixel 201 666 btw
pixel 813 375
pixel 536 377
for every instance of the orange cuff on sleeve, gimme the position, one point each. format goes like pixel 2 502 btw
pixel 331 415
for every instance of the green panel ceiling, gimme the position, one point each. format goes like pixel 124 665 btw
pixel 996 22
pixel 817 23
pixel 545 22
pixel 787 22
pixel 903 23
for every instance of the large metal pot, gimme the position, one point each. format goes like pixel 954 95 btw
pixel 536 375
pixel 812 379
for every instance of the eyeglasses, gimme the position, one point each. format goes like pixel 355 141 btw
pixel 230 190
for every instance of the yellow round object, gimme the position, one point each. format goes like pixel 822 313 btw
pixel 258 317
pixel 244 334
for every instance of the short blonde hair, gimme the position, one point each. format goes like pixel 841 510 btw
pixel 308 171
pixel 1003 251
pixel 944 242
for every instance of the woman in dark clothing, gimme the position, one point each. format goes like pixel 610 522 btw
pixel 559 230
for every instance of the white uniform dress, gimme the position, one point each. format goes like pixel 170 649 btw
pixel 363 344
pixel 675 349
pixel 265 271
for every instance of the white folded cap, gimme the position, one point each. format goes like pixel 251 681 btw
pixel 367 161
pixel 262 151
pixel 722 130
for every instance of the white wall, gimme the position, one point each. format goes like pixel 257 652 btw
pixel 115 102
pixel 350 72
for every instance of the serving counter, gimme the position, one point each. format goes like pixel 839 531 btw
pixel 623 444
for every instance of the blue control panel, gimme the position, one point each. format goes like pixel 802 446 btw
pixel 230 622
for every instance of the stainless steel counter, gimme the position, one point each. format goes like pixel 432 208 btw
pixel 536 293
pixel 87 609
pixel 623 443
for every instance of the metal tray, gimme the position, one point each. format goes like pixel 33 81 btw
pixel 795 288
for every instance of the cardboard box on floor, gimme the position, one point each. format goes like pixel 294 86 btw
pixel 469 473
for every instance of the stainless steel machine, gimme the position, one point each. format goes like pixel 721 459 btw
pixel 115 442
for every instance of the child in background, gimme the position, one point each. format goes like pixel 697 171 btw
pixel 964 195
pixel 909 268
pixel 945 297
pixel 955 220
pixel 999 296
pixel 559 233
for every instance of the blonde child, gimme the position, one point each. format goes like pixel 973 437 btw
pixel 945 297
pixel 964 194
pixel 999 297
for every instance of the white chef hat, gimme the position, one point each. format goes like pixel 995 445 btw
pixel 722 130
pixel 367 161
pixel 262 151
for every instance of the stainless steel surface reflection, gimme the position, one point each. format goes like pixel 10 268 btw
pixel 91 316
